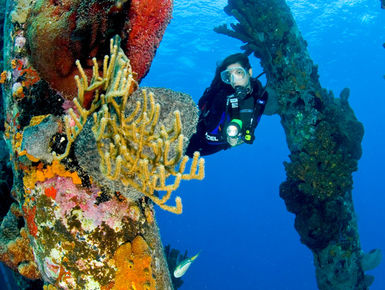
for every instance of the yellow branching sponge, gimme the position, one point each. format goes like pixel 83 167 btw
pixel 115 68
pixel 134 153
pixel 133 145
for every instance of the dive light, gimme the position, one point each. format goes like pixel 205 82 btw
pixel 234 128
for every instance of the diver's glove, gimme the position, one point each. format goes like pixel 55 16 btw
pixel 234 141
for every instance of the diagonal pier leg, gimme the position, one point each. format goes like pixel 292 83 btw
pixel 322 133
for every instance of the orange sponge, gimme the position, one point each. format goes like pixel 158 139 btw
pixel 133 261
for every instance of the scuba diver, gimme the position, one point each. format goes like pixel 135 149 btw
pixel 230 108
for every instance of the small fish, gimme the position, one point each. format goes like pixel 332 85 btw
pixel 183 266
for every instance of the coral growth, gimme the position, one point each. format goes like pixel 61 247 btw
pixel 75 222
pixel 59 33
pixel 21 255
pixel 15 249
pixel 71 224
pixel 323 136
pixel 148 20
pixel 63 215
pixel 322 169
pixel 133 263
pixel 21 10
pixel 134 147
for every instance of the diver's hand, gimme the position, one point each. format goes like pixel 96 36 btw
pixel 234 141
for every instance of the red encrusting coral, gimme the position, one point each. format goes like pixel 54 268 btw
pixel 50 192
pixel 29 216
pixel 148 21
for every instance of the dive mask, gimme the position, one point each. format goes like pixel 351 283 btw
pixel 233 75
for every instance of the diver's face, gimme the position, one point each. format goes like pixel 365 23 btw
pixel 239 76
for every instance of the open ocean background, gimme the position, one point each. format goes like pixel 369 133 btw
pixel 235 216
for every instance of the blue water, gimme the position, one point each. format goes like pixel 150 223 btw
pixel 235 216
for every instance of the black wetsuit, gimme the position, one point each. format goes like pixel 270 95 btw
pixel 216 112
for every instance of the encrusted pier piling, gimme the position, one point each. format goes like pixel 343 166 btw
pixel 322 133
